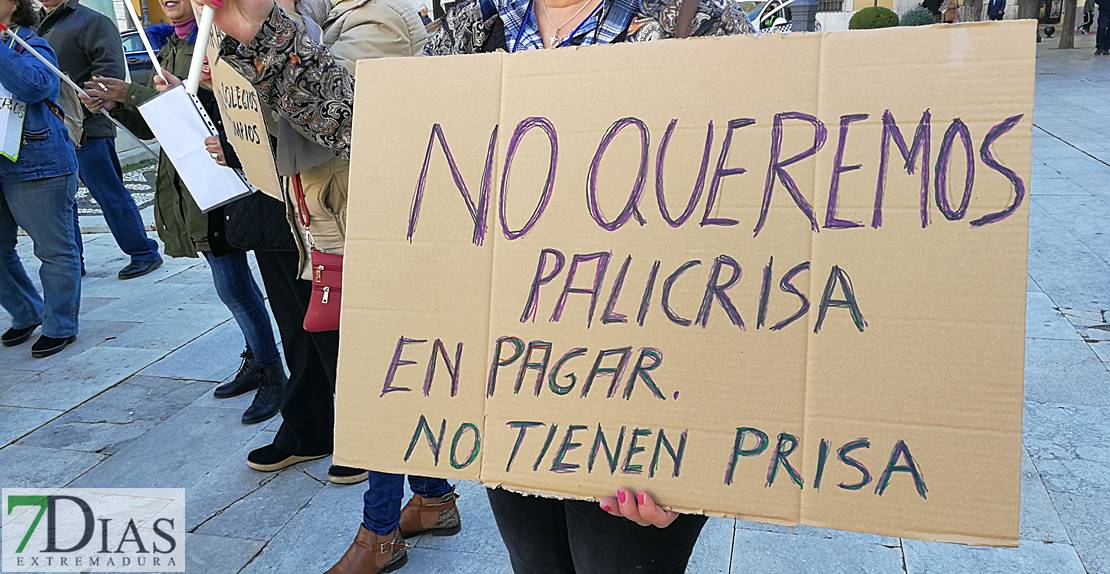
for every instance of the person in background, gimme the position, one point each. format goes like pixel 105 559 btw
pixel 933 6
pixel 996 9
pixel 1102 40
pixel 624 533
pixel 1088 17
pixel 37 193
pixel 424 17
pixel 951 12
pixel 185 230
pixel 88 44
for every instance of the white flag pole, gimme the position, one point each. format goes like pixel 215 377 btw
pixel 204 30
pixel 146 41
pixel 5 30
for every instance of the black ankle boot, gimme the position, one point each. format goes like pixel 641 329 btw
pixel 271 391
pixel 245 381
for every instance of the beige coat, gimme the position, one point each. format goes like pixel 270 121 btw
pixel 354 30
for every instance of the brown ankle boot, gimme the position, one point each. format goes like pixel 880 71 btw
pixel 436 516
pixel 372 554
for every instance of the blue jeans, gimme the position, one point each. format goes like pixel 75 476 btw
pixel 381 505
pixel 236 287
pixel 44 209
pixel 100 170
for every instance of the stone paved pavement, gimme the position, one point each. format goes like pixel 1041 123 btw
pixel 131 405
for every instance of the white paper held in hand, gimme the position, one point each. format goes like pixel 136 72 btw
pixel 181 125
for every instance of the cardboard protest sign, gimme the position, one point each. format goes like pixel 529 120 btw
pixel 244 122
pixel 778 278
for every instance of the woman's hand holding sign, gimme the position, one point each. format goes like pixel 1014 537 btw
pixel 639 507
pixel 215 149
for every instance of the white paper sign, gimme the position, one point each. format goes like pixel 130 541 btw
pixel 180 123
pixel 12 112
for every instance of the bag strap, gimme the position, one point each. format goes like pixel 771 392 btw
pixel 684 26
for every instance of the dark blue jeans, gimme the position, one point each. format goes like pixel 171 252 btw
pixel 42 207
pixel 381 505
pixel 236 287
pixel 100 170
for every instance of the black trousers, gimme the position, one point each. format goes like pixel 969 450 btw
pixel 308 414
pixel 548 536
pixel 1103 38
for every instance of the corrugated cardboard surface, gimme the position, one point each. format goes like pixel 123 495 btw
pixel 244 122
pixel 937 366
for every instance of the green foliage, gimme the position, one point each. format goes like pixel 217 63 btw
pixel 917 17
pixel 873 17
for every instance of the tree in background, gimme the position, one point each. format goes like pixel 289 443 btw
pixel 1067 24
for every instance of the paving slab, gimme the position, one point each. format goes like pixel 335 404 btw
pixel 321 532
pixel 1068 271
pixel 151 300
pixel 1083 217
pixel 1029 558
pixel 172 328
pixel 117 416
pixel 1040 520
pixel 1087 381
pixel 1044 321
pixel 713 553
pixel 1070 446
pixel 228 482
pixel 429 561
pixel 91 334
pixel 1087 519
pixel 775 553
pixel 18 421
pixel 213 356
pixel 77 380
pixel 218 554
pixel 36 467
pixel 176 453
pixel 262 513
pixel 815 532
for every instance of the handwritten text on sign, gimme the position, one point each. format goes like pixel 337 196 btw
pixel 760 307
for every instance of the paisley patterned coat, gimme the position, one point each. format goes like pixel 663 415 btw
pixel 305 84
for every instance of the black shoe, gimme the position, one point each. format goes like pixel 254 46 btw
pixel 245 381
pixel 272 459
pixel 47 346
pixel 138 269
pixel 13 336
pixel 271 391
pixel 346 475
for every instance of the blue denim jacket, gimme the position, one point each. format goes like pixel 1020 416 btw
pixel 46 150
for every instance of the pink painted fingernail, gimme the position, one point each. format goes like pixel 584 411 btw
pixel 218 4
pixel 640 497
pixel 620 496
pixel 606 508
